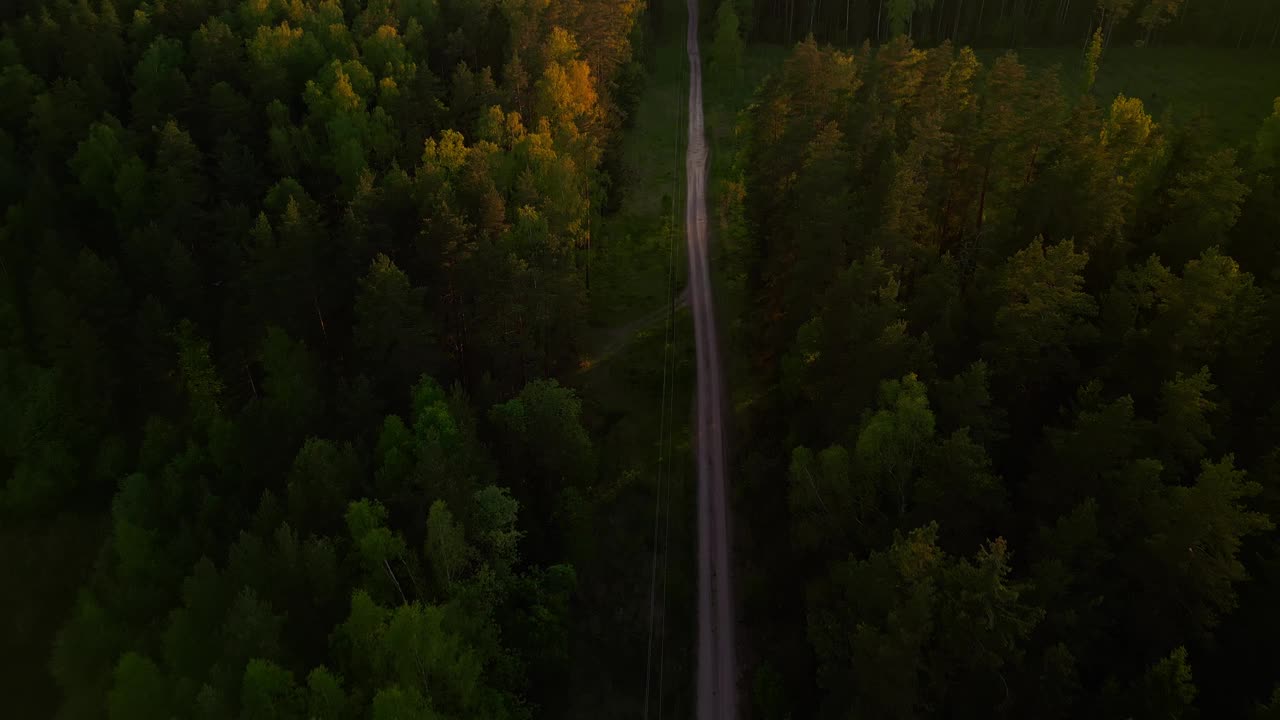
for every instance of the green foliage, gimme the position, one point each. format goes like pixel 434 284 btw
pixel 861 309
pixel 1091 56
pixel 392 328
pixel 432 422
pixel 290 383
pixel 446 547
pixel 376 545
pixel 1167 689
pixel 1045 311
pixel 959 483
pixel 820 495
pixel 160 87
pixel 139 690
pixel 99 160
pixel 1093 396
pixel 392 703
pixel 319 483
pixel 542 431
pixel 1185 417
pixel 495 526
pixel 925 630
pixel 199 376
pixel 268 691
pixel 326 699
pixel 890 443
pixel 1195 546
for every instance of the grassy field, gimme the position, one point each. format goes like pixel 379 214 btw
pixel 1234 89
pixel 625 415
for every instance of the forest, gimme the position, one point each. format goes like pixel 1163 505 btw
pixel 284 289
pixel 344 370
pixel 1009 351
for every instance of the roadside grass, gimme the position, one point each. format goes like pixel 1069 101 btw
pixel 725 97
pixel 1233 89
pixel 622 398
pixel 629 273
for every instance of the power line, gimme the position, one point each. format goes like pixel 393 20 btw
pixel 665 446
pixel 666 530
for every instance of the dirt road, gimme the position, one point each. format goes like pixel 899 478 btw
pixel 717 668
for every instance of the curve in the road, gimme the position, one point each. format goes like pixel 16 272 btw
pixel 717 667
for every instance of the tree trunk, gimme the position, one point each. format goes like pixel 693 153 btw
pixel 942 14
pixel 1274 33
pixel 955 29
pixel 846 21
pixel 982 196
pixel 588 276
pixel 879 12
pixel 978 28
pixel 400 590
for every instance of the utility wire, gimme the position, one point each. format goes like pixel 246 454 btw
pixel 666 529
pixel 665 446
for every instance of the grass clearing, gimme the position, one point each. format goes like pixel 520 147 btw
pixel 725 96
pixel 623 411
pixel 630 264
